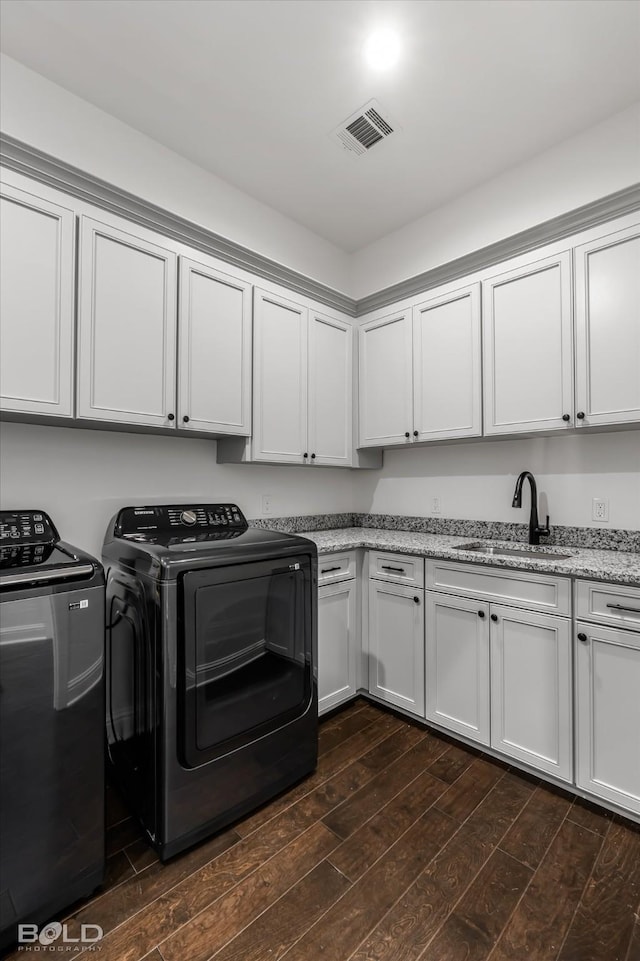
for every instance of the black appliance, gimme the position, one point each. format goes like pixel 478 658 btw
pixel 52 847
pixel 211 689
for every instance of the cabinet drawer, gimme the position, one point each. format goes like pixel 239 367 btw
pixel 608 604
pixel 536 592
pixel 336 567
pixel 397 568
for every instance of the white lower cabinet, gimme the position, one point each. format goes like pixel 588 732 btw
pixel 531 710
pixel 497 674
pixel 608 714
pixel 457 665
pixel 337 644
pixel 396 645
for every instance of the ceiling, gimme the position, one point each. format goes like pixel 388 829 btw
pixel 250 89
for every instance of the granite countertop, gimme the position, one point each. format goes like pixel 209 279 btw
pixel 617 566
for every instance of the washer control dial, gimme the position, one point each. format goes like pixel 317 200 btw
pixel 189 518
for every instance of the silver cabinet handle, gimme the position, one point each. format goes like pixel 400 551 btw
pixel 621 607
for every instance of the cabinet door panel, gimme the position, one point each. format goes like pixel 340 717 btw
pixel 396 645
pixel 336 644
pixel 36 304
pixel 330 390
pixel 280 379
pixel 608 737
pixel 608 329
pixel 127 327
pixel 528 361
pixel 531 701
pixel 446 366
pixel 457 665
pixel 385 381
pixel 215 350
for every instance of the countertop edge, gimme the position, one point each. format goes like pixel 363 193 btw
pixel 581 565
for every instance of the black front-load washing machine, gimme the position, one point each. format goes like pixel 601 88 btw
pixel 211 688
pixel 52 820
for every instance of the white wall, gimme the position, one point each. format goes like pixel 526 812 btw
pixel 82 477
pixel 44 115
pixel 599 161
pixel 476 480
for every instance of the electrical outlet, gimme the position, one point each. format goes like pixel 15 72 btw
pixel 435 507
pixel 267 503
pixel 600 509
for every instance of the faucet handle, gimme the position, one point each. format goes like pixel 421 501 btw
pixel 546 529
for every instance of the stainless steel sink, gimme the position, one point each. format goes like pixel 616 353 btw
pixel 536 553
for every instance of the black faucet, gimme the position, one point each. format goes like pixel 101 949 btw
pixel 534 530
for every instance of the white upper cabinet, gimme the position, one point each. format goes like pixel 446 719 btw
pixel 330 420
pixel 527 346
pixel 279 379
pixel 126 326
pixel 302 386
pixel 214 350
pixel 36 302
pixel 447 394
pixel 608 329
pixel 386 401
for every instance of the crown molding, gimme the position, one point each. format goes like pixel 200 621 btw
pixel 34 163
pixel 590 215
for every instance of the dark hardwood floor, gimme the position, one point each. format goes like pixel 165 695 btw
pixel 402 846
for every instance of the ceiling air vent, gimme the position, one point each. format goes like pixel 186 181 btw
pixel 364 129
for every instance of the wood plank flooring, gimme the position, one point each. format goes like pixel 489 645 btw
pixel 403 846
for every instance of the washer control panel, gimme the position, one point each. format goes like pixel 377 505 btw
pixel 26 527
pixel 148 522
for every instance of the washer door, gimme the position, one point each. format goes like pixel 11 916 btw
pixel 246 664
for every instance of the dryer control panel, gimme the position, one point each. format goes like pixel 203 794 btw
pixel 175 520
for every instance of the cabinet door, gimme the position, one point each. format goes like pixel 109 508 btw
pixel 214 340
pixel 527 347
pixel 386 415
pixel 608 329
pixel 447 399
pixel 279 379
pixel 531 699
pixel 396 645
pixel 126 327
pixel 608 714
pixel 330 390
pixel 36 304
pixel 337 644
pixel 457 665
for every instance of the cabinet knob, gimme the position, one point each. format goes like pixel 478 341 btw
pixel 415 433
pixel 171 416
pixel 407 434
pixel 480 613
pixel 305 455
pixel 582 636
pixel 185 419
pixel 313 457
pixel 416 600
pixel 566 417
pixel 494 617
pixel 580 415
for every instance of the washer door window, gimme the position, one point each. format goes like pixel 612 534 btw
pixel 246 665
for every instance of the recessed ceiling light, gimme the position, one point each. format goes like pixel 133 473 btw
pixel 382 49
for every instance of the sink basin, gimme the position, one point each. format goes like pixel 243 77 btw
pixel 536 553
